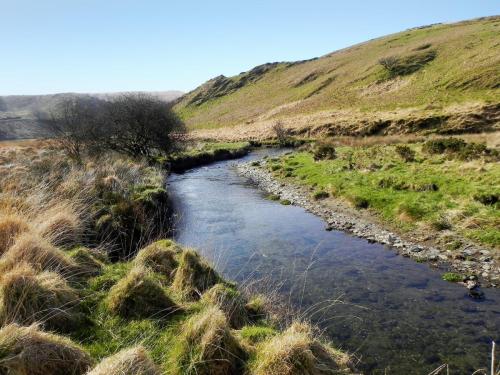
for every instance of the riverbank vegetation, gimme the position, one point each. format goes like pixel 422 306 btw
pixel 198 153
pixel 86 289
pixel 441 185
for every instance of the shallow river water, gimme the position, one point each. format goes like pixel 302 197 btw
pixel 396 315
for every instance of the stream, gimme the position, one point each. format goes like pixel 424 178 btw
pixel 395 315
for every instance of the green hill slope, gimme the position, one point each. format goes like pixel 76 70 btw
pixel 443 78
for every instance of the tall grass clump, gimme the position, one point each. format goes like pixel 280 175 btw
pixel 404 65
pixel 207 346
pixel 30 351
pixel 230 301
pixel 296 351
pixel 40 254
pixel 160 256
pixel 131 361
pixel 10 227
pixel 139 295
pixel 28 297
pixel 194 275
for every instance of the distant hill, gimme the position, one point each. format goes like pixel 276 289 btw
pixel 17 119
pixel 437 78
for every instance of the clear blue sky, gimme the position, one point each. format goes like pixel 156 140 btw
pixel 53 46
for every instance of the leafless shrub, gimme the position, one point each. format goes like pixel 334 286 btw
pixel 282 133
pixel 137 125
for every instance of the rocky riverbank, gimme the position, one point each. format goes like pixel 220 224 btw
pixel 475 263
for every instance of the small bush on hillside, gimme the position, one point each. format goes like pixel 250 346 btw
pixel 318 195
pixel 458 148
pixel 406 153
pixel 359 202
pixel 30 351
pixel 324 150
pixel 440 146
pixel 399 66
pixel 487 199
pixel 441 223
pixel 132 361
pixel 282 134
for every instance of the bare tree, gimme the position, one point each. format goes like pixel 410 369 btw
pixel 282 133
pixel 132 124
pixel 73 124
pixel 141 125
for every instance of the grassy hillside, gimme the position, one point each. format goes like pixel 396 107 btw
pixel 444 77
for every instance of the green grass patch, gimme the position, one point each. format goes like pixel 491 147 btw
pixel 452 277
pixel 435 191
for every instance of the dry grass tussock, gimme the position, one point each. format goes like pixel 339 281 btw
pixel 160 256
pixel 208 346
pixel 194 275
pixel 231 303
pixel 27 297
pixel 296 351
pixel 28 350
pixel 39 253
pixel 133 361
pixel 140 295
pixel 11 226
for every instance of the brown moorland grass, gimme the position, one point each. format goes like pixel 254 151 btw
pixel 297 352
pixel 207 346
pixel 140 295
pixel 61 225
pixel 30 351
pixel 38 253
pixel 231 303
pixel 11 225
pixel 160 256
pixel 194 275
pixel 132 361
pixel 28 297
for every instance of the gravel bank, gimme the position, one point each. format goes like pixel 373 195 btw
pixel 472 260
